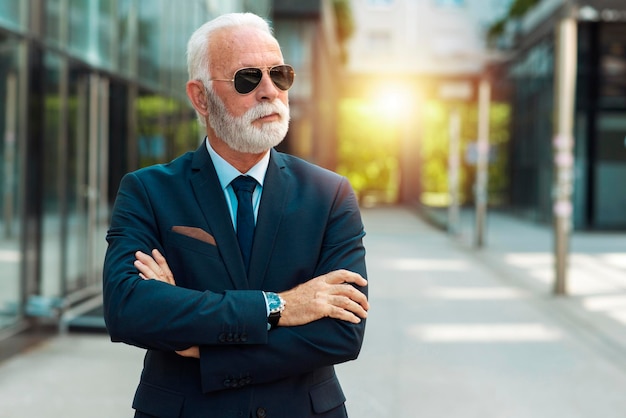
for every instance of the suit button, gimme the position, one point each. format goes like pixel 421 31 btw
pixel 260 413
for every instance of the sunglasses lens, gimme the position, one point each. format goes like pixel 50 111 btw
pixel 247 79
pixel 282 76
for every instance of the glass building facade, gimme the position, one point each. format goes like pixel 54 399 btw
pixel 89 90
pixel 599 126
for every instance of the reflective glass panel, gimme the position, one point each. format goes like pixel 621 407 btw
pixel 51 247
pixel 10 221
pixel 150 36
pixel 77 177
pixel 54 23
pixel 11 12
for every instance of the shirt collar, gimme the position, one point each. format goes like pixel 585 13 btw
pixel 227 173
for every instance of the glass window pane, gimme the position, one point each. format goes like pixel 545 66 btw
pixel 91 31
pixel 12 13
pixel 106 33
pixel 77 177
pixel 52 176
pixel 79 25
pixel 10 221
pixel 54 21
pixel 613 65
pixel 125 41
pixel 149 37
pixel 151 113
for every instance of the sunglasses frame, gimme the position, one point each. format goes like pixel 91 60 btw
pixel 262 69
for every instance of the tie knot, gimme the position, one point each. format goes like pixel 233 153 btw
pixel 244 184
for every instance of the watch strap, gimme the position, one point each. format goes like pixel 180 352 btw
pixel 273 319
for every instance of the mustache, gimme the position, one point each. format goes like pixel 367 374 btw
pixel 265 109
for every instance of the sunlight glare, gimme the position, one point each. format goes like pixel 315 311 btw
pixel 394 102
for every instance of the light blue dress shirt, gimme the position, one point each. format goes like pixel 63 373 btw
pixel 227 173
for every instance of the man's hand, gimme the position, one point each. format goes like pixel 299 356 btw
pixel 331 295
pixel 191 352
pixel 154 267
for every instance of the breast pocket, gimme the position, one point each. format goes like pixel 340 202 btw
pixel 176 239
pixel 196 264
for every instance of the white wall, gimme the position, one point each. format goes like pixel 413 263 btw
pixel 421 36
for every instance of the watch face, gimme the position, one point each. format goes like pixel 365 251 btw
pixel 274 302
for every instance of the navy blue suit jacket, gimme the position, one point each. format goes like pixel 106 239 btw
pixel 308 224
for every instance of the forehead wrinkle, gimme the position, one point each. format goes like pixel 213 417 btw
pixel 235 48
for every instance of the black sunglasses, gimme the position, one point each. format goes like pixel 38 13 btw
pixel 247 79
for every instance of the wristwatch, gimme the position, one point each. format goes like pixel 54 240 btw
pixel 276 306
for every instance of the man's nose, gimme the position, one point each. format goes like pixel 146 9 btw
pixel 267 90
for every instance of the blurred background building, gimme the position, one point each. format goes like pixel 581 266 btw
pixel 599 165
pixel 411 65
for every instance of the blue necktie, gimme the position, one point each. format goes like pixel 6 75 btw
pixel 244 187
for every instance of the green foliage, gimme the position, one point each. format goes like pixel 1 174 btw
pixel 345 25
pixel 369 147
pixel 520 7
pixel 517 10
pixel 345 22
pixel 496 29
pixel 368 150
pixel 168 122
pixel 436 142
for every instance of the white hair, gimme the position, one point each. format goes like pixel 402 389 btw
pixel 198 59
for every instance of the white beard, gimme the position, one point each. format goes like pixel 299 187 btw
pixel 239 133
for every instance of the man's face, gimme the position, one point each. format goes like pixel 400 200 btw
pixel 252 122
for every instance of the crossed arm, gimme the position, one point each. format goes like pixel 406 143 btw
pixel 329 295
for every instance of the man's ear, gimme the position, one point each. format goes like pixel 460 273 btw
pixel 197 94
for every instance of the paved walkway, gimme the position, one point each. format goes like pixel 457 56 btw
pixel 453 332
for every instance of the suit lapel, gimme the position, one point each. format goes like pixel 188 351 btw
pixel 210 198
pixel 276 188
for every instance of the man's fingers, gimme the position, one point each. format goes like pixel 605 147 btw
pixel 150 266
pixel 145 259
pixel 154 267
pixel 352 294
pixel 193 352
pixel 345 276
pixel 158 257
pixel 343 315
pixel 349 305
pixel 144 270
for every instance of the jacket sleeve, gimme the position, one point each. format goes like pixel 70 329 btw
pixel 292 351
pixel 155 315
